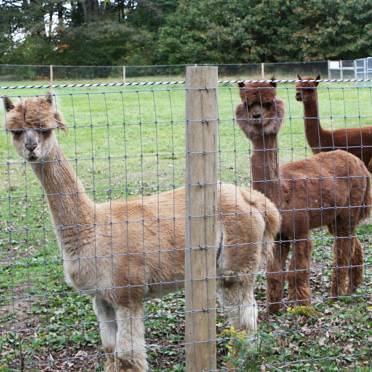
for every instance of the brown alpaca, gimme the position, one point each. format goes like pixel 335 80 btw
pixel 122 252
pixel 357 141
pixel 329 189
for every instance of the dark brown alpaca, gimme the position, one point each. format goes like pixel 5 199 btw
pixel 357 141
pixel 329 189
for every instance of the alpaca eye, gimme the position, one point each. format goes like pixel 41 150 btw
pixel 267 105
pixel 46 132
pixel 16 134
pixel 248 105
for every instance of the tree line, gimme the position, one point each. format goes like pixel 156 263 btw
pixel 139 32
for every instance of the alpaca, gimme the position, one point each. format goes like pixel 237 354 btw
pixel 329 189
pixel 357 141
pixel 121 252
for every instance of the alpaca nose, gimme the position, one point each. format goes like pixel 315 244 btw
pixel 256 115
pixel 31 146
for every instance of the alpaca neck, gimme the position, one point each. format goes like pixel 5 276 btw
pixel 265 167
pixel 314 132
pixel 71 209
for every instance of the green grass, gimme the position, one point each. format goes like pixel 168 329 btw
pixel 128 142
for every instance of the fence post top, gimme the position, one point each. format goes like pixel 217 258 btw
pixel 201 77
pixel 201 69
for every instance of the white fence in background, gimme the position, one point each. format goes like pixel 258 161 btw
pixel 351 69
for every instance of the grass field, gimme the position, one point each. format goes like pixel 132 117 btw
pixel 129 142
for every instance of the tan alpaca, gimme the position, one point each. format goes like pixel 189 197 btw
pixel 329 189
pixel 122 252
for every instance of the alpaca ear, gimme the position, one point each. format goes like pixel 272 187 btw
pixel 317 78
pixel 8 104
pixel 299 77
pixel 60 122
pixel 241 84
pixel 273 83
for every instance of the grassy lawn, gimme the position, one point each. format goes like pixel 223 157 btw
pixel 128 142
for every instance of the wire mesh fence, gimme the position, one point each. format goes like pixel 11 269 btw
pixel 63 74
pixel 113 185
pixel 343 69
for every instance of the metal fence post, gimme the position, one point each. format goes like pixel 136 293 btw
pixel 201 218
pixel 51 77
pixel 329 69
pixel 262 71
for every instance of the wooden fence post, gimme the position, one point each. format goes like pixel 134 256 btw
pixel 201 218
pixel 262 71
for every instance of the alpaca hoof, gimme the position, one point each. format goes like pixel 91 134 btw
pixel 117 365
pixel 338 290
pixel 356 278
pixel 274 308
pixel 131 365
pixel 299 297
pixel 248 319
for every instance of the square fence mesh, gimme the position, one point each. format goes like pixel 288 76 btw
pixel 114 185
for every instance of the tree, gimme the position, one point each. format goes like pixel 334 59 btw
pixel 103 43
pixel 334 29
pixel 183 31
pixel 217 31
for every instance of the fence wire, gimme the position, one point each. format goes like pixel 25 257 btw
pixel 162 83
pixel 112 183
pixel 88 74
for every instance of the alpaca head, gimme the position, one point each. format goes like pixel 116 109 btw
pixel 31 123
pixel 260 112
pixel 306 90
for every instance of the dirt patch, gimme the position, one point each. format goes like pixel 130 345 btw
pixel 69 359
pixel 17 307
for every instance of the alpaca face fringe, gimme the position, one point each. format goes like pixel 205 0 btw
pixel 260 112
pixel 306 90
pixel 31 123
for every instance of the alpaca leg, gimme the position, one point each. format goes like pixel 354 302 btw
pixel 298 274
pixel 357 262
pixel 107 326
pixel 130 348
pixel 239 303
pixel 343 248
pixel 276 268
